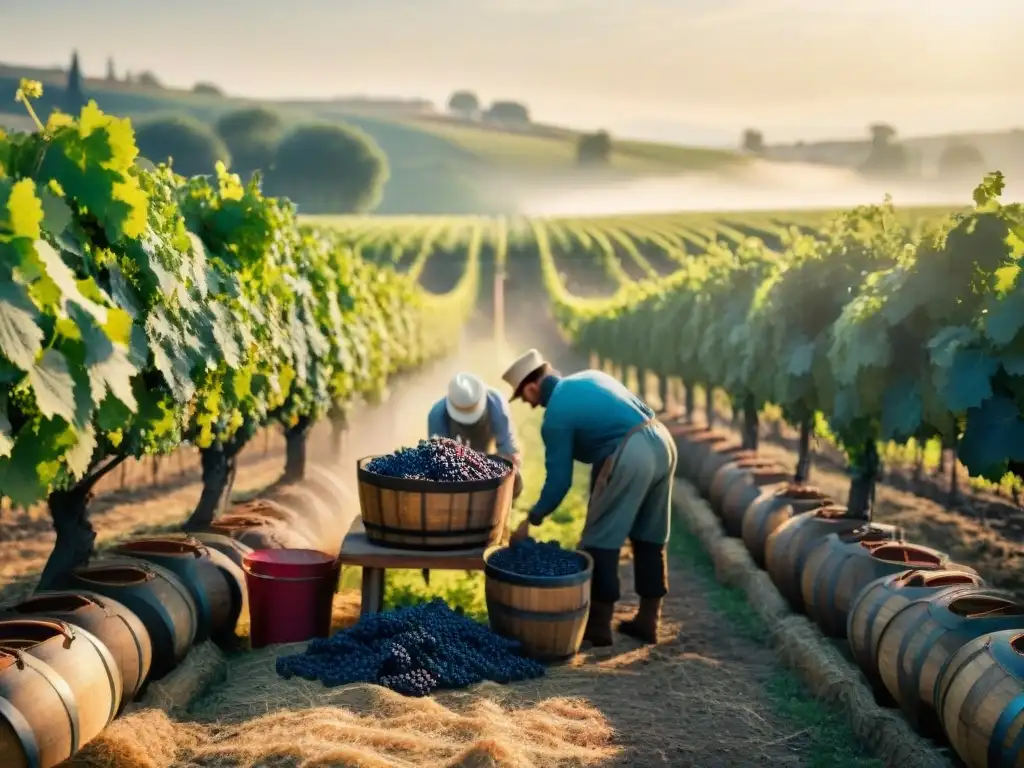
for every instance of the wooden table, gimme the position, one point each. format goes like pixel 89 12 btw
pixel 356 549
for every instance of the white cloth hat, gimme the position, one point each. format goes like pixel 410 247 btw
pixel 467 398
pixel 521 368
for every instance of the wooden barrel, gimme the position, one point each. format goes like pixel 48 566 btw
pixel 295 502
pixel 233 549
pixel 923 636
pixel 38 713
pixel 700 452
pixel 155 595
pixel 727 473
pixel 546 614
pixel 786 550
pixel 257 531
pixel 877 604
pixel 421 514
pixel 843 564
pixel 120 630
pixel 80 662
pixel 714 460
pixel 194 564
pixel 774 507
pixel 290 518
pixel 980 697
pixel 741 487
pixel 690 445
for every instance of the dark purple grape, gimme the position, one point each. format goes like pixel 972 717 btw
pixel 439 459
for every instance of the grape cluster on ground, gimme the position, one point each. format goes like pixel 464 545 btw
pixel 530 557
pixel 439 459
pixel 412 651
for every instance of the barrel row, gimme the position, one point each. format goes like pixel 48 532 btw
pixel 72 659
pixel 928 634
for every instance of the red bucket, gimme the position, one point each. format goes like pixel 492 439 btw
pixel 291 592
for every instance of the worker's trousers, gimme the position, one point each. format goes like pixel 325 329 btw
pixel 633 502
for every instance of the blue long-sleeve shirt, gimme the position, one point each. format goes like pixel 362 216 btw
pixel 586 416
pixel 501 422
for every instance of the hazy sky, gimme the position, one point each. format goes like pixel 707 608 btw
pixel 796 68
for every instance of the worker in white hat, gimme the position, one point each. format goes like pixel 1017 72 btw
pixel 591 418
pixel 479 416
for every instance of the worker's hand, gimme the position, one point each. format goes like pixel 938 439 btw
pixel 520 533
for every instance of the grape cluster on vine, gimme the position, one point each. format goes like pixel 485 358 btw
pixel 530 557
pixel 413 651
pixel 439 459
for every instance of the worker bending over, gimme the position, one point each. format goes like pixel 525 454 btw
pixel 592 418
pixel 478 416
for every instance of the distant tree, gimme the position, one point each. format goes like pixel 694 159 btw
pixel 886 157
pixel 961 159
pixel 464 104
pixel 753 141
pixel 507 112
pixel 252 136
pixel 593 149
pixel 329 168
pixel 74 95
pixel 111 72
pixel 191 147
pixel 207 89
pixel 149 80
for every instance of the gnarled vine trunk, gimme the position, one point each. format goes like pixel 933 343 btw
pixel 76 538
pixel 690 397
pixel 339 428
pixel 663 396
pixel 220 467
pixel 751 424
pixel 296 439
pixel 954 474
pixel 803 460
pixel 709 406
pixel 861 500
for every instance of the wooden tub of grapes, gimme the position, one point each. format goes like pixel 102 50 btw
pixel 422 513
pixel 540 597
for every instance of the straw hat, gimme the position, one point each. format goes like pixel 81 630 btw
pixel 467 398
pixel 522 368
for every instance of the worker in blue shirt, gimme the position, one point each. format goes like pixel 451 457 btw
pixel 478 416
pixel 591 418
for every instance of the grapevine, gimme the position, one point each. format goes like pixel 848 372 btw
pixel 140 310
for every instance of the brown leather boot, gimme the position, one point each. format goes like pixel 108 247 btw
pixel 644 626
pixel 599 624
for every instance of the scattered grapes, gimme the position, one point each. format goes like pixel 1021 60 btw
pixel 412 651
pixel 530 557
pixel 440 459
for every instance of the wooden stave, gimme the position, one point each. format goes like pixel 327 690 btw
pixel 80 659
pixel 920 642
pixel 196 568
pixel 108 620
pixel 34 699
pixel 743 489
pixel 486 511
pixel 257 532
pixel 771 509
pixel 704 450
pixel 514 610
pixel 714 461
pixel 789 545
pixel 840 567
pixel 985 677
pixel 726 475
pixel 688 447
pixel 161 601
pixel 875 606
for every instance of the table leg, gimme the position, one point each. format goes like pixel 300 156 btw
pixel 373 591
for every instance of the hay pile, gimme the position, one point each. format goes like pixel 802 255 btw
pixel 256 718
pixel 304 724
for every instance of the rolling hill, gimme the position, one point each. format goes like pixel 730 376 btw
pixel 438 164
